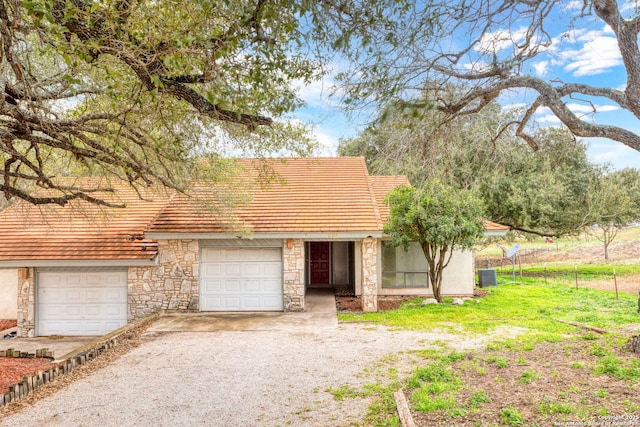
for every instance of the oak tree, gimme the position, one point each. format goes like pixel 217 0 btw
pixel 494 48
pixel 613 204
pixel 541 192
pixel 142 90
pixel 440 219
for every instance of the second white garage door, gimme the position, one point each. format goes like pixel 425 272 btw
pixel 241 279
pixel 81 303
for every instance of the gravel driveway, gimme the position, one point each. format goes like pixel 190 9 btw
pixel 270 377
pixel 250 378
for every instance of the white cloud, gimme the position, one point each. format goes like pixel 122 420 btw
pixel 541 68
pixel 586 108
pixel 514 106
pixel 547 119
pixel 500 40
pixel 327 144
pixel 477 66
pixel 545 115
pixel 572 5
pixel 607 151
pixel 598 54
pixel 318 92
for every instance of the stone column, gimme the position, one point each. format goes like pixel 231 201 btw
pixel 172 284
pixel 26 303
pixel 369 274
pixel 293 274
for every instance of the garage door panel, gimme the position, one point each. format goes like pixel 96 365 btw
pixel 93 311
pixel 212 269
pixel 94 328
pixel 51 328
pixel 271 269
pixel 93 295
pixel 272 304
pixel 231 254
pixel 252 269
pixel 271 286
pixel 211 285
pixel 93 279
pixel 232 269
pixel 246 279
pixel 252 286
pixel 232 303
pixel 113 312
pixel 114 296
pixel 73 296
pixel 252 303
pixel 214 303
pixel 81 302
pixel 232 286
pixel 72 280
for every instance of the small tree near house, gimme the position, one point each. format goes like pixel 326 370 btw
pixel 440 218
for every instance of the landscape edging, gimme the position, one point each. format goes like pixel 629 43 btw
pixel 70 361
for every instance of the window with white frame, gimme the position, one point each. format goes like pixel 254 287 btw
pixel 404 269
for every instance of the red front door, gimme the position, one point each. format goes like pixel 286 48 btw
pixel 320 256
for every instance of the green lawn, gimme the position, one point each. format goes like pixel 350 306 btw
pixel 529 304
pixel 551 372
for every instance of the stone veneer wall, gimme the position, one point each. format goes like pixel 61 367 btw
pixel 172 284
pixel 369 274
pixel 26 303
pixel 293 274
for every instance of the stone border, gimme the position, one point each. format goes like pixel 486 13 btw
pixel 17 354
pixel 73 360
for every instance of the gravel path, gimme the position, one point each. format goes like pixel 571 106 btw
pixel 232 378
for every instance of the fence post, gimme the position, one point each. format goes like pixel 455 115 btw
pixel 615 282
pixel 576 269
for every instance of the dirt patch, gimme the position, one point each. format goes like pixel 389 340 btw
pixel 622 251
pixel 13 370
pixel 8 324
pixel 628 284
pixel 553 383
pixel 351 304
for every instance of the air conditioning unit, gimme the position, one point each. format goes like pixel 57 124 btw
pixel 487 277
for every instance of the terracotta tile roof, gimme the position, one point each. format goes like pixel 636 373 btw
pixel 306 195
pixel 81 231
pixel 382 185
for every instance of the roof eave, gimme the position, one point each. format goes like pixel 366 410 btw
pixel 330 235
pixel 78 263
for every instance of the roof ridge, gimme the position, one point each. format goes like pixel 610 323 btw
pixel 159 212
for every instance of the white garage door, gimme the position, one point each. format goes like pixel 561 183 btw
pixel 241 279
pixel 81 303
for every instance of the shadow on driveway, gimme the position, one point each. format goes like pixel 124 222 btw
pixel 320 313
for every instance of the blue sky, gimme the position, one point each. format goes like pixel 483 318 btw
pixel 587 54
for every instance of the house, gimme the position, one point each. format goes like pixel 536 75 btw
pixel 8 293
pixel 255 246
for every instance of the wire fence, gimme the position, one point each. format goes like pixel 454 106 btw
pixel 578 277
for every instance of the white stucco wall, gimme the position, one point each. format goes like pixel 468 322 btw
pixel 8 293
pixel 457 279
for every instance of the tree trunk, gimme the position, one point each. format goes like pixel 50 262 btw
pixel 436 279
